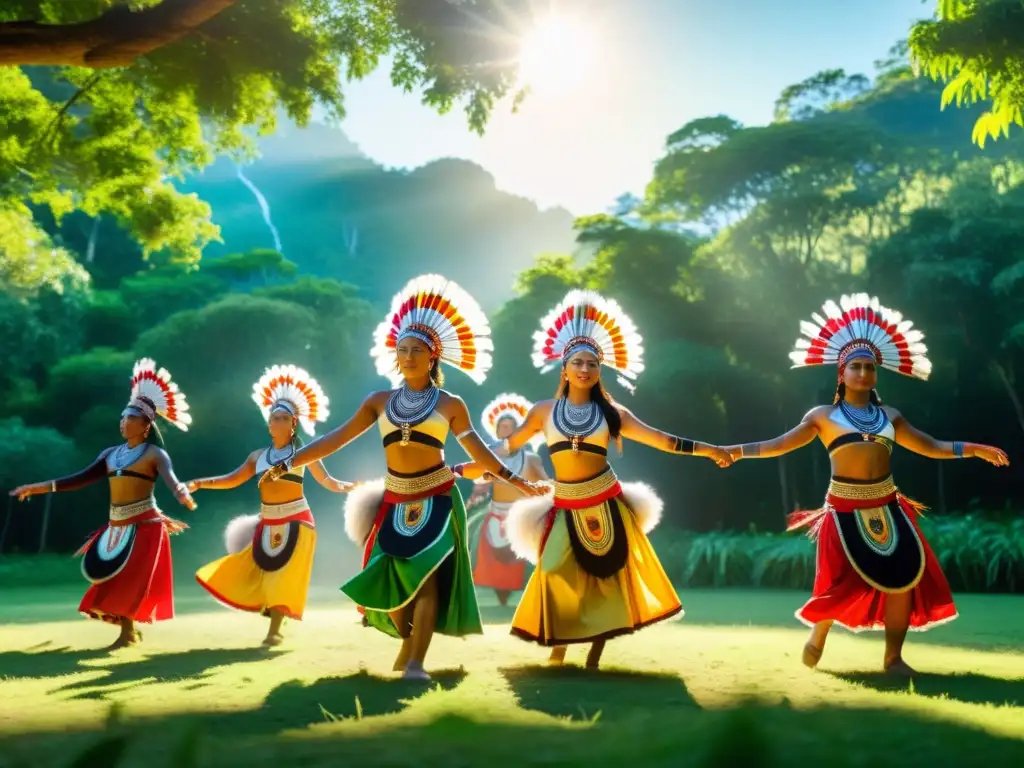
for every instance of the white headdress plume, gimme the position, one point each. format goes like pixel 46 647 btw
pixel 859 326
pixel 156 385
pixel 508 405
pixel 585 319
pixel 292 388
pixel 443 316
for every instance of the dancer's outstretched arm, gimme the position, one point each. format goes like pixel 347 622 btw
pixel 462 426
pixel 532 424
pixel 231 480
pixel 924 444
pixel 364 418
pixel 322 476
pixel 636 430
pixel 178 488
pixel 91 474
pixel 798 437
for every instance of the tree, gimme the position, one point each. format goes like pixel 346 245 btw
pixel 136 94
pixel 977 48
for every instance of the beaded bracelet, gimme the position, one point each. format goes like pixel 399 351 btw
pixel 958 449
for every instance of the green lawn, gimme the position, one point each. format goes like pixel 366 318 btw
pixel 723 686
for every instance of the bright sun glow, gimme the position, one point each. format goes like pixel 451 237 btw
pixel 556 56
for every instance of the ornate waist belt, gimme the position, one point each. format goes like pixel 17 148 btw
pixel 422 484
pixel 587 489
pixel 119 513
pixel 869 491
pixel 281 511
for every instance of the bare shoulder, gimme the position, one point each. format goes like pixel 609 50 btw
pixel 254 456
pixel 818 414
pixel 377 400
pixel 159 454
pixel 448 399
pixel 893 414
pixel 543 407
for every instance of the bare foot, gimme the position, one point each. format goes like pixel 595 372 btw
pixel 900 668
pixel 125 641
pixel 811 655
pixel 557 655
pixel 414 671
pixel 274 638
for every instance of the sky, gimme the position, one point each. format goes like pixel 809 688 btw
pixel 648 67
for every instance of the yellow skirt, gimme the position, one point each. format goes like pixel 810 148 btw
pixel 564 604
pixel 239 582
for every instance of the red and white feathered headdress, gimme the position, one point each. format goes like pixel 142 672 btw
pixel 859 326
pixel 156 386
pixel 508 405
pixel 587 320
pixel 293 390
pixel 448 320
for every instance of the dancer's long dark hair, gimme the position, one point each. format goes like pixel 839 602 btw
pixel 154 436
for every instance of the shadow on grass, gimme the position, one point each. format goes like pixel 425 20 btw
pixel 967 688
pixel 52 662
pixel 579 693
pixel 751 735
pixel 194 664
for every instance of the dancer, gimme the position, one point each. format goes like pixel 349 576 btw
pixel 416 575
pixel 875 569
pixel 597 575
pixel 128 561
pixel 497 566
pixel 270 558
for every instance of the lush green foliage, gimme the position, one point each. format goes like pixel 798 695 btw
pixel 975 47
pixel 115 141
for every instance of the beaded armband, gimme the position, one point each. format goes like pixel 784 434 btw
pixel 683 445
pixel 958 449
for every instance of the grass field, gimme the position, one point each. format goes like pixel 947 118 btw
pixel 723 686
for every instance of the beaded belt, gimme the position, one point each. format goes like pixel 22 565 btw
pixel 413 486
pixel 279 511
pixel 862 491
pixel 121 512
pixel 587 488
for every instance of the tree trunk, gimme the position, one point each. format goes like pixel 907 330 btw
pixel 94 233
pixel 1011 393
pixel 784 488
pixel 942 487
pixel 46 523
pixel 115 39
pixel 7 523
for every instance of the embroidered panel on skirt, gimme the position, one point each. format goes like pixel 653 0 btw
pixel 882 545
pixel 598 538
pixel 274 545
pixel 411 527
pixel 109 553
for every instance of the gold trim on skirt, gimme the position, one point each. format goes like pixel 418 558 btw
pixel 862 491
pixel 414 486
pixel 588 488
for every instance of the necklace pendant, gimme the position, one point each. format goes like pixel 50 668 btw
pixel 575 444
pixel 406 433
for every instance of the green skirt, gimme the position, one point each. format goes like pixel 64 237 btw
pixel 417 539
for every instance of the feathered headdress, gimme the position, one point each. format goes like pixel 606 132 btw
pixel 507 405
pixel 859 326
pixel 448 320
pixel 157 387
pixel 587 320
pixel 294 390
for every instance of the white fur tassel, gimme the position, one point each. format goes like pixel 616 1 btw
pixel 524 526
pixel 645 504
pixel 239 533
pixel 361 506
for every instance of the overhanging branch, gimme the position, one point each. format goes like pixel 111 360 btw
pixel 115 39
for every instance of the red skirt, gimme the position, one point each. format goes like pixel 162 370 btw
pixel 143 589
pixel 842 595
pixel 497 566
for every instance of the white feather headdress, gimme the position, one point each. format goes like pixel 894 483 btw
pixel 156 386
pixel 508 405
pixel 859 326
pixel 296 390
pixel 587 319
pixel 443 316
